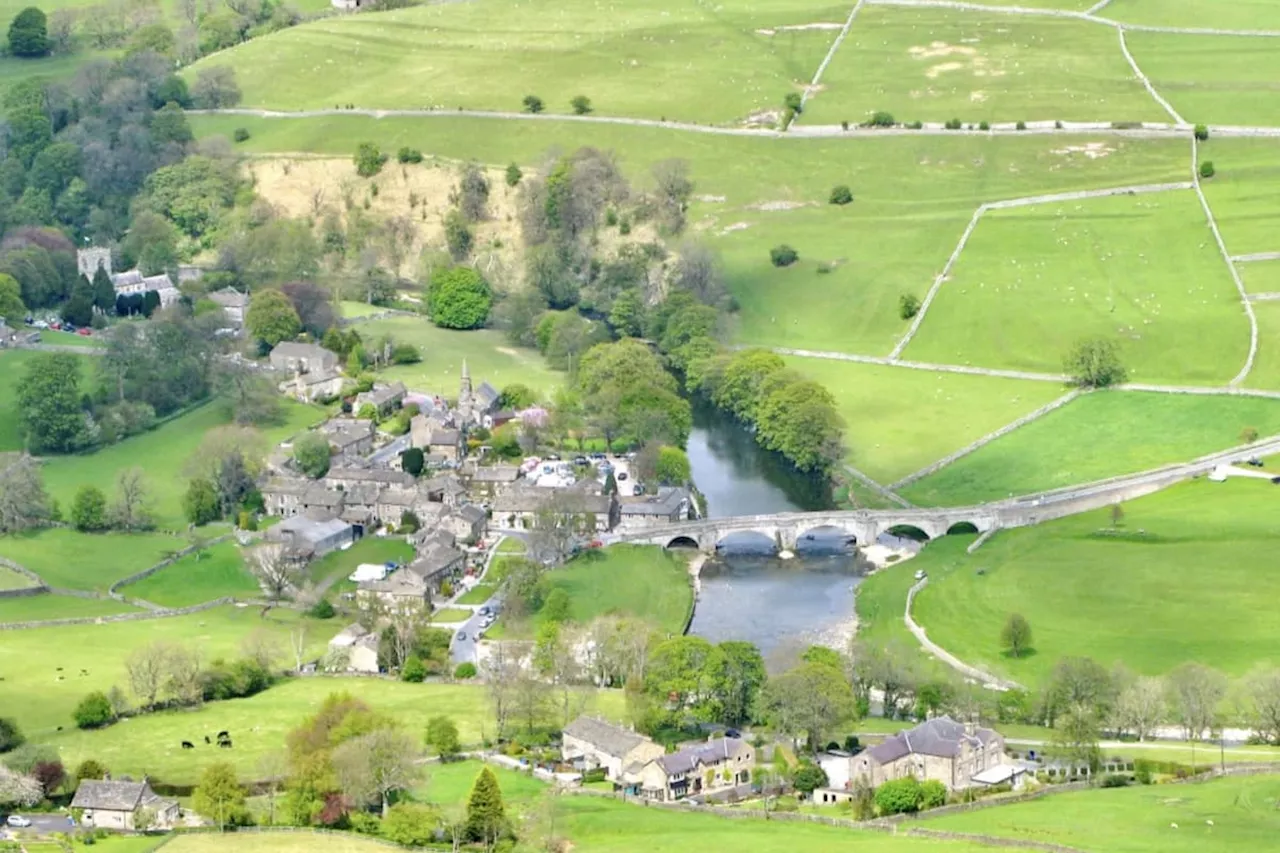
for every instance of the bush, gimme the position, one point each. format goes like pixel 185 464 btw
pixel 595 774
pixel 94 711
pixel 841 195
pixel 908 306
pixel 880 118
pixel 413 670
pixel 1202 132
pixel 932 794
pixel 984 125
pixel 369 160
pixel 1058 125
pixel 364 823
pixel 322 609
pixel 1206 169
pixel 916 125
pixel 457 236
pixel 581 105
pixel 532 104
pixel 793 102
pixel 783 256
pixel 11 736
pixel 513 175
pixel 1095 363
pixel 901 796
pixel 409 155
pixel 465 671
pixel 459 298
pixel 954 124
pixel 1115 780
pixel 89 510
pixel 1022 125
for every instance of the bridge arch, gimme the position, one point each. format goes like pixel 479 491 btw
pixel 962 527
pixel 747 540
pixel 683 542
pixel 826 535
pixel 908 531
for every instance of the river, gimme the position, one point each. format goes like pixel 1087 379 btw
pixel 747 593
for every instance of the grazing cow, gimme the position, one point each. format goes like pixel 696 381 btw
pixel 223 734
pixel 186 744
pixel 206 739
pixel 57 669
pixel 59 728
pixel 225 744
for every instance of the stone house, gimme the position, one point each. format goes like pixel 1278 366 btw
pixel 110 804
pixel 718 765
pixel 383 398
pixel 233 303
pixel 435 438
pixel 349 436
pixel 589 743
pixel 414 585
pixel 395 501
pixel 670 505
pixel 293 357
pixel 489 481
pixel 519 507
pixel 282 496
pixel 941 748
pixel 446 489
pixel 356 648
pixel 348 476
pixel 314 385
pixel 467 523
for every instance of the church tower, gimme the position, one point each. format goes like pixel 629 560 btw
pixel 465 400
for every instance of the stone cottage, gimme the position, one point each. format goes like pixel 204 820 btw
pixel 941 748
pixel 110 804
pixel 590 742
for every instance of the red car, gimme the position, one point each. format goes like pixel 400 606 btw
pixel 55 325
pixel 85 332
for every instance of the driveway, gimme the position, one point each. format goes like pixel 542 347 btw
pixel 43 824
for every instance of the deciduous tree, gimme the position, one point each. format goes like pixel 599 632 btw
pixel 275 572
pixel 49 405
pixel 1016 635
pixel 809 701
pixel 23 501
pixel 1095 363
pixel 1195 692
pixel 459 298
pixel 29 33
pixel 130 509
pixel 271 317
pixel 220 797
pixel 89 510
pixel 374 766
pixel 311 452
pixel 442 737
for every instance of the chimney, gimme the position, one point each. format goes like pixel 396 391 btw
pixel 971 728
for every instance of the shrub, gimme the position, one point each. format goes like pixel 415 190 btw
pixel 880 118
pixel 1095 363
pixel 94 711
pixel 953 124
pixel 369 160
pixel 513 175
pixel 844 125
pixel 1115 780
pixel 89 510
pixel 532 104
pixel 932 794
pixel 916 125
pixel 793 102
pixel 908 306
pixel 11 736
pixel 465 671
pixel 322 609
pixel 1058 125
pixel 581 105
pixel 1022 125
pixel 413 670
pixel 595 774
pixel 240 134
pixel 841 195
pixel 409 155
pixel 1202 132
pixel 457 235
pixel 459 298
pixel 783 256
pixel 1206 169
pixel 984 125
pixel 901 796
pixel 364 823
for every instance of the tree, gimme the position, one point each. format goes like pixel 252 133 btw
pixel 200 503
pixel 840 194
pixel 412 461
pixel 557 607
pixel 581 105
pixel 146 670
pixel 486 814
pixel 735 675
pixel 215 88
pixel 1015 637
pixel 410 824
pixel 1201 132
pixel 459 298
pixel 1207 169
pixel 90 769
pixel 311 452
pixel 129 511
pixel 1195 691
pixel 1095 363
pixel 807 777
pixel 673 188
pixel 49 405
pixel 908 306
pixel 313 304
pixel 513 175
pixel 798 418
pixel 1261 693
pixel 1078 683
pixel 94 711
pixel 810 701
pixel 369 159
pixel 276 574
pixel 532 104
pixel 11 736
pixel 783 255
pixel 11 307
pixel 220 797
pixel 271 317
pixel 473 193
pixel 104 293
pixel 372 767
pixel 89 510
pixel 50 774
pixel 672 466
pixel 1140 707
pixel 517 396
pixel 1075 738
pixel 18 790
pixel 442 737
pixel 29 33
pixel 23 501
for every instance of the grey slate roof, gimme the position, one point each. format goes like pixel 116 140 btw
pixel 229 297
pixel 605 737
pixel 471 513
pixel 665 503
pixel 487 395
pixel 940 737
pixel 109 795
pixel 384 476
pixel 688 758
pixel 496 474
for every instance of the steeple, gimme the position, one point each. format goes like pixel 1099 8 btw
pixel 466 376
pixel 464 393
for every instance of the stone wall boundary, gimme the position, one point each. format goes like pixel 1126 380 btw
pixel 22 570
pixel 114 589
pixel 119 617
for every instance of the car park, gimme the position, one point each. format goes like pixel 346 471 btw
pixel 581 460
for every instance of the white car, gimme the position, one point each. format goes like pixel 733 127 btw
pixel 18 821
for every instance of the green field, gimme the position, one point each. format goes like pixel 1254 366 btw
pixel 1266 366
pixel 151 744
pixel 162 454
pixel 1221 816
pixel 9 579
pixel 29 659
pixel 12 369
pixel 898 420
pixel 213 573
pixel 1261 277
pixel 488 355
pixel 478 594
pixel 1187 576
pixel 1213 79
pixel 65 558
pixel 936 65
pixel 449 784
pixel 1097 436
pixel 629 59
pixel 1141 270
pixel 450 615
pixel 273 842
pixel 1238 14
pixel 38 607
pixel 1242 194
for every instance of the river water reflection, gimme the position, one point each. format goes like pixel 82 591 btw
pixel 747 594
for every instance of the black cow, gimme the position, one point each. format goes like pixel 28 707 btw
pixel 206 739
pixel 223 734
pixel 186 744
pixel 225 744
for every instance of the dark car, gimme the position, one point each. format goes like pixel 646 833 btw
pixel 622 475
pixel 598 457
pixel 462 635
pixel 1256 462
pixel 734 733
pixel 581 460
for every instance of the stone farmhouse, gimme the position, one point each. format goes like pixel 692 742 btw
pixel 589 742
pixel 349 437
pixel 383 398
pixel 233 303
pixel 720 764
pixel 670 505
pixel 354 649
pixel 492 480
pixel 109 804
pixel 952 753
pixel 519 506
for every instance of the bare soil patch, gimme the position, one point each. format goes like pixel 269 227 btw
pixel 1092 150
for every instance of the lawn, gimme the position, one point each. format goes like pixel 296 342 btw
pixel 162 454
pixel 1266 367
pixel 478 594
pixel 935 65
pixel 9 579
pixel 450 784
pixel 273 842
pixel 1186 577
pixel 1237 15
pixel 451 614
pixel 1242 194
pixel 1097 436
pixel 65 558
pixel 371 549
pixel 1213 79
pixel 1143 271
pixel 70 339
pixel 213 573
pixel 1221 816
pixel 12 369
pixel 682 62
pixel 488 356
pixel 1261 277
pixel 899 420
pixel 151 744
pixel 643 581
pixel 511 545
pixel 48 606
pixel 29 659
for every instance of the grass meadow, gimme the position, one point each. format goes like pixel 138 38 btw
pixel 212 573
pixel 1219 816
pixel 94 561
pixel 9 579
pixel 899 420
pixel 1238 14
pixel 1213 79
pixel 489 357
pixel 1141 270
pixel 1261 277
pixel 692 63
pixel 936 65
pixel 1242 193
pixel 50 606
pixel 39 702
pixel 1266 365
pixel 151 744
pixel 273 842
pixel 337 565
pixel 1096 436
pixel 1186 576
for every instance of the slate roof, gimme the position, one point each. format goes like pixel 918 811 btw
pixel 665 503
pixel 488 395
pixel 604 737
pixel 496 474
pixel 688 758
pixel 229 297
pixel 940 737
pixel 471 513
pixel 371 475
pixel 533 498
pixel 114 796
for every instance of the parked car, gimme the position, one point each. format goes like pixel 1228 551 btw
pixel 622 475
pixel 56 326
pixel 920 574
pixel 581 460
pixel 18 821
pixel 462 635
pixel 40 324
pixel 1256 462
pixel 84 332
